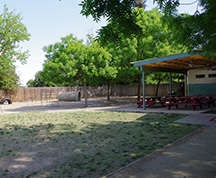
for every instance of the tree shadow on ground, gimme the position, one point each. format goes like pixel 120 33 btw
pixel 72 145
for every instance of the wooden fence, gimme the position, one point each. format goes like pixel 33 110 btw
pixel 36 93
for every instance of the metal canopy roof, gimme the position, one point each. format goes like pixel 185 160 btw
pixel 178 63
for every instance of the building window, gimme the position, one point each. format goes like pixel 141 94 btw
pixel 212 75
pixel 200 76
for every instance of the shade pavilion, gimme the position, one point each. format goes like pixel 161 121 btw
pixel 176 63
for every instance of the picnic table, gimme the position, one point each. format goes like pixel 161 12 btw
pixel 193 101
pixel 151 101
pixel 186 100
pixel 208 99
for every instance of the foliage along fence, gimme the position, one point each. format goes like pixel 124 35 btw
pixel 36 93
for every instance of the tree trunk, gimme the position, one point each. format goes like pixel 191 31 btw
pixel 85 92
pixel 139 90
pixel 108 92
pixel 157 87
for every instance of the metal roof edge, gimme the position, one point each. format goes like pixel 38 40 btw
pixel 165 58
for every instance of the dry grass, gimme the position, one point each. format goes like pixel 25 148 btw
pixel 81 144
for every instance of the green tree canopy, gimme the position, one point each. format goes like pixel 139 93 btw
pixel 30 83
pixel 196 31
pixel 38 81
pixel 155 40
pixel 12 33
pixel 118 11
pixel 70 60
pixel 9 80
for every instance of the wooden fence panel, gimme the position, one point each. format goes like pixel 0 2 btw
pixel 33 94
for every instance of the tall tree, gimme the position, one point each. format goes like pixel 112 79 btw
pixel 12 33
pixel 197 31
pixel 102 79
pixel 155 40
pixel 118 11
pixel 71 59
pixel 9 80
pixel 38 81
pixel 30 83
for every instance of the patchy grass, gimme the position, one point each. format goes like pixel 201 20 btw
pixel 81 144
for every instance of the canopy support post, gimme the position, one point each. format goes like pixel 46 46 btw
pixel 186 83
pixel 170 85
pixel 143 86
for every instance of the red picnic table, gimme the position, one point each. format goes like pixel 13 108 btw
pixel 185 100
pixel 151 101
pixel 208 99
pixel 193 101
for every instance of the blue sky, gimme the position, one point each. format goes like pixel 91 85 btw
pixel 49 20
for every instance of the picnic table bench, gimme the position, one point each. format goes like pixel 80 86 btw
pixel 207 99
pixel 151 101
pixel 186 100
pixel 176 101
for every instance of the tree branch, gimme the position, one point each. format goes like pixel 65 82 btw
pixel 188 3
pixel 79 78
pixel 3 52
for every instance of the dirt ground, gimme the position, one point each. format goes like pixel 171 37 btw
pixel 24 159
pixel 60 105
pixel 127 104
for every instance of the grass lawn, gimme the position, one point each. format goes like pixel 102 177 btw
pixel 81 144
